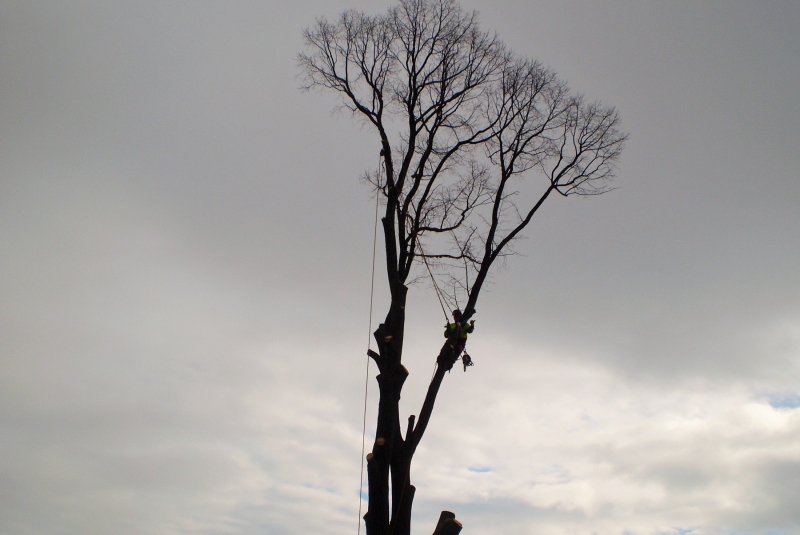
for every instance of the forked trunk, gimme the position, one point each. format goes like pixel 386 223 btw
pixel 391 456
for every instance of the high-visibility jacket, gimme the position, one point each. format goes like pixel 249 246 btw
pixel 462 330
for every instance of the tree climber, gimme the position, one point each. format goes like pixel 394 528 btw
pixel 456 333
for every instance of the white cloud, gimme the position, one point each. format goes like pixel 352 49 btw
pixel 599 453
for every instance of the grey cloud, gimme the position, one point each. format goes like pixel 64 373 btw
pixel 184 283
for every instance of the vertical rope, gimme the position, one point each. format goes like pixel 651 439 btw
pixel 369 336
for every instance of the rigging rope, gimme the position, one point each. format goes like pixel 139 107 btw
pixel 433 279
pixel 369 334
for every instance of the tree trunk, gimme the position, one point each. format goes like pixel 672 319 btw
pixel 388 452
pixel 391 454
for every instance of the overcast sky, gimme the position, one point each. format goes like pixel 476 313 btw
pixel 185 255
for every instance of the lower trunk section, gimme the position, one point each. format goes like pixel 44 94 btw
pixel 377 517
pixel 401 523
pixel 391 455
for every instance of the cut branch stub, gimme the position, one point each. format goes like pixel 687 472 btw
pixel 447 525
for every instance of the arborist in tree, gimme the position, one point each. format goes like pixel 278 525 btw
pixel 456 332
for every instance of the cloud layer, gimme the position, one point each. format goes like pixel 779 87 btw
pixel 184 284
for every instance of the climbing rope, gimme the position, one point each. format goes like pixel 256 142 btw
pixel 369 336
pixel 433 279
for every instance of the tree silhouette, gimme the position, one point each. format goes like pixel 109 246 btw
pixel 473 140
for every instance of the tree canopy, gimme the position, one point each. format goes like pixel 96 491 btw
pixel 475 137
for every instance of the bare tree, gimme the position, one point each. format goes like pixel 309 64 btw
pixel 474 139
